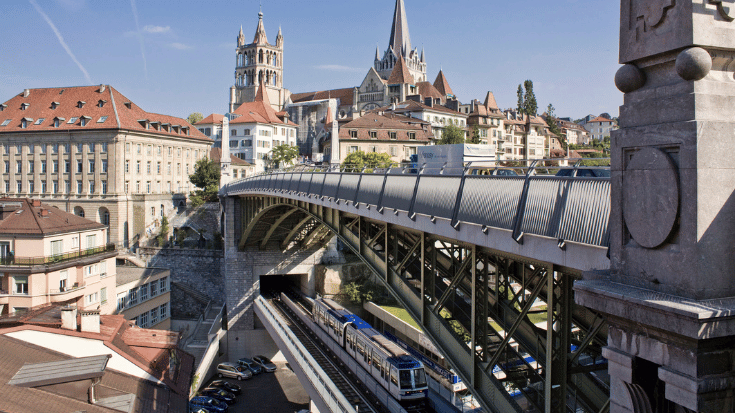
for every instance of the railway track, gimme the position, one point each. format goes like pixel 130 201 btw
pixel 314 345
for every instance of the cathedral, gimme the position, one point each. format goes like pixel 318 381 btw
pixel 258 61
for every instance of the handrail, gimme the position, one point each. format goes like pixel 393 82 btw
pixel 12 260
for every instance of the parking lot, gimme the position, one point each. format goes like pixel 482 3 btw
pixel 270 392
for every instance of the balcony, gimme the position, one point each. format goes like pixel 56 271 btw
pixel 66 294
pixel 13 261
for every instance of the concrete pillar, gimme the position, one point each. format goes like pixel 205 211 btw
pixel 667 294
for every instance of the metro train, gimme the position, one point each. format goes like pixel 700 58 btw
pixel 397 371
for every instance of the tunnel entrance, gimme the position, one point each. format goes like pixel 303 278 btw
pixel 272 285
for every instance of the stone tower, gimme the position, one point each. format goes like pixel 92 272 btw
pixel 255 61
pixel 400 45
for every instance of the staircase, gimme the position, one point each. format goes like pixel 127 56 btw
pixel 199 340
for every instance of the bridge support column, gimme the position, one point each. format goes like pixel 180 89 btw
pixel 669 294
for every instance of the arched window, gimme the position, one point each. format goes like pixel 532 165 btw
pixel 78 211
pixel 260 76
pixel 260 56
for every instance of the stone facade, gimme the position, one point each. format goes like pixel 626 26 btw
pixel 200 269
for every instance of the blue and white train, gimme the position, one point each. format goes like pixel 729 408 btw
pixel 401 374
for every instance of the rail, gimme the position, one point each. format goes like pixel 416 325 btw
pixel 568 208
pixel 11 260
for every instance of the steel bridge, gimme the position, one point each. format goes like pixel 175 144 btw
pixel 485 264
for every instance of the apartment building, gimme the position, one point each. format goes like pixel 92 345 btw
pixel 144 296
pixel 600 127
pixel 91 151
pixel 489 121
pixel 49 256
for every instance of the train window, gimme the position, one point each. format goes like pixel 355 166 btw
pixel 394 376
pixel 369 357
pixel 386 369
pixel 419 377
pixel 405 376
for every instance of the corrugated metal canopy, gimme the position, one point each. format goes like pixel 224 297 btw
pixel 56 372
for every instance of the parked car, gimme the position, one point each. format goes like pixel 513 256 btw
pixel 221 384
pixel 219 394
pixel 592 172
pixel 212 405
pixel 250 365
pixel 233 371
pixel 265 363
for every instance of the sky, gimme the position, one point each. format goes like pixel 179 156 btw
pixel 176 57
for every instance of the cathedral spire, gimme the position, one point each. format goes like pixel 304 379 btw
pixel 279 38
pixel 400 41
pixel 422 55
pixel 241 38
pixel 260 37
pixel 377 53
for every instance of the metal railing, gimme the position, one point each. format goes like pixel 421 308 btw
pixel 532 198
pixel 11 260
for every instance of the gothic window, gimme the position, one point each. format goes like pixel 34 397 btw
pixel 260 56
pixel 260 76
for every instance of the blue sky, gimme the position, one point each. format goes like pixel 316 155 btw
pixel 177 56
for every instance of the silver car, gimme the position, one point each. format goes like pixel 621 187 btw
pixel 234 371
pixel 265 363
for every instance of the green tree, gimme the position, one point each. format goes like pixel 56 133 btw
pixel 474 135
pixel 282 155
pixel 520 99
pixel 195 117
pixel 551 121
pixel 357 160
pixel 163 236
pixel 451 135
pixel 205 177
pixel 530 106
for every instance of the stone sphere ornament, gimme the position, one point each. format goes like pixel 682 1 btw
pixel 693 63
pixel 629 78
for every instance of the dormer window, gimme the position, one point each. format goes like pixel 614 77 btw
pixel 185 129
pixel 24 106
pixel 175 128
pixel 54 105
pixel 166 126
pixel 57 122
pixel 85 120
pixel 353 134
pixel 24 122
pixel 144 123
pixel 101 103
pixel 128 105
pixel 81 104
pixel 2 107
pixel 156 125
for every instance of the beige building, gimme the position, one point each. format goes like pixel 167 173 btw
pixel 144 296
pixel 48 256
pixel 92 152
pixel 525 137
pixel 489 121
pixel 397 135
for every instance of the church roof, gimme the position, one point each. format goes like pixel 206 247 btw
pixel 426 90
pixel 346 96
pixel 260 110
pixel 442 85
pixel 400 74
pixel 400 40
pixel 260 37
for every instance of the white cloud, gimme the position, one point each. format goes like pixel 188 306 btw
pixel 140 37
pixel 61 39
pixel 339 68
pixel 156 29
pixel 180 46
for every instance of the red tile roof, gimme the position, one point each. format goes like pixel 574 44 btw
pixel 413 106
pixel 215 154
pixel 382 125
pixel 490 102
pixel 442 85
pixel 601 119
pixel 400 74
pixel 259 111
pixel 103 106
pixel 213 119
pixel 41 219
pixel 346 96
pixel 426 90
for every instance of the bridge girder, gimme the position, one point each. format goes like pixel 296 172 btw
pixel 485 288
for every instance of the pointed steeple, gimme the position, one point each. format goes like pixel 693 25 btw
pixel 442 85
pixel 260 37
pixel 377 53
pixel 422 55
pixel 490 102
pixel 241 38
pixel 262 94
pixel 400 40
pixel 279 38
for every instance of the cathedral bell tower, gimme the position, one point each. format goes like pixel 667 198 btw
pixel 255 61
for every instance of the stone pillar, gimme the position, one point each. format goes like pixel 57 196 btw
pixel 225 161
pixel 668 293
pixel 237 271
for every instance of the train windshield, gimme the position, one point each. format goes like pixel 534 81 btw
pixel 405 378
pixel 419 378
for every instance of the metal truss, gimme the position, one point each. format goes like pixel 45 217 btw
pixel 507 325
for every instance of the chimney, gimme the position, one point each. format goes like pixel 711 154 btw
pixel 90 321
pixel 36 202
pixel 69 318
pixel 102 88
pixel 44 212
pixel 26 92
